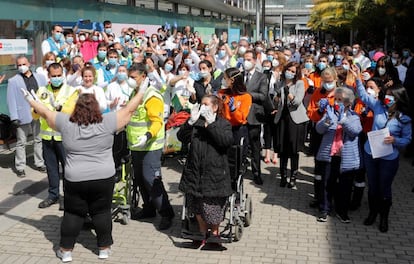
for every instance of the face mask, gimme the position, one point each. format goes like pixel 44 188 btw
pixel 112 61
pixel 223 84
pixel 48 62
pixel 75 67
pixel 127 37
pixel 275 63
pixel 381 71
pixel 154 40
pixel 322 66
pixel 389 100
pixel 203 74
pixel 287 57
pixel 101 54
pixel 373 64
pixel 371 92
pixel 119 52
pixel 188 61
pixel 289 75
pixel 56 81
pixel 181 72
pixel 329 86
pixel 308 65
pixel 405 53
pixel 108 30
pixel 242 50
pixel 206 49
pixel 259 49
pixel 23 69
pixel 338 106
pixel 248 65
pixel 330 50
pixel 312 49
pixel 132 83
pixel 270 57
pixel 185 52
pixel 394 61
pixel 135 55
pixel 330 57
pixel 69 40
pixel 345 66
pixel 57 36
pixel 338 57
pixel 168 67
pixel 221 54
pixel 95 38
pixel 354 51
pixel 82 38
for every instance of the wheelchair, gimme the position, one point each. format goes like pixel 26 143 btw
pixel 238 207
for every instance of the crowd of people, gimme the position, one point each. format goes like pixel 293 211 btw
pixel 95 91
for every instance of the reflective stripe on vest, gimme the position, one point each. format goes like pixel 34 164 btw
pixel 140 124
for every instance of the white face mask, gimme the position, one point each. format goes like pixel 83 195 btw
pixel 82 38
pixel 132 83
pixel 275 63
pixel 23 69
pixel 381 71
pixel 248 65
pixel 223 84
pixel 242 50
pixel 371 92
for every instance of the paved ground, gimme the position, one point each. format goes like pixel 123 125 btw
pixel 284 228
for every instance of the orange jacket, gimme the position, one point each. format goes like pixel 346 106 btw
pixel 313 107
pixel 367 118
pixel 242 103
pixel 316 78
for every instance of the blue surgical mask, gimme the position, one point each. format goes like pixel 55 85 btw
pixel 121 76
pixel 101 54
pixel 188 61
pixel 95 38
pixel 322 66
pixel 69 40
pixel 185 52
pixel 56 81
pixel 168 67
pixel 308 65
pixel 108 30
pixel 373 64
pixel 57 36
pixel 203 74
pixel 112 61
pixel 269 57
pixel 127 37
pixel 329 86
pixel 221 54
pixel 289 75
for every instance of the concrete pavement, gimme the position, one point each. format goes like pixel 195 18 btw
pixel 284 229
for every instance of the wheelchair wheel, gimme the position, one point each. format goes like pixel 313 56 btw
pixel 133 194
pixel 238 231
pixel 248 212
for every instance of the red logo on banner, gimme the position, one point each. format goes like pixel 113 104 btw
pixel 1 45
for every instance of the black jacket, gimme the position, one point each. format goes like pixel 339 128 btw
pixel 206 172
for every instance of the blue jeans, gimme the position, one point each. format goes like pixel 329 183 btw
pixel 53 153
pixel 380 174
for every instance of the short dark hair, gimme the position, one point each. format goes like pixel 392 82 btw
pixel 54 66
pixel 137 67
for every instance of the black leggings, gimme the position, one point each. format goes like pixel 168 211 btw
pixel 87 197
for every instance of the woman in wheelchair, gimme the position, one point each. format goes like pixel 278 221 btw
pixel 206 179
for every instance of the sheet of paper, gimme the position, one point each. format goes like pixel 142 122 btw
pixel 376 141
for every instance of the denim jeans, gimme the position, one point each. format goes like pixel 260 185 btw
pixel 53 153
pixel 380 174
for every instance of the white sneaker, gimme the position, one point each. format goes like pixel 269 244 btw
pixel 65 256
pixel 104 253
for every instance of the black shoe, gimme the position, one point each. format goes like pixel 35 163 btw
pixel 283 182
pixel 258 180
pixel 344 218
pixel 41 168
pixel 314 204
pixel 48 202
pixel 21 174
pixel 61 204
pixel 143 214
pixel 292 183
pixel 323 217
pixel 166 222
pixel 370 220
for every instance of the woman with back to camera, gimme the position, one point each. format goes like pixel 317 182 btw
pixel 390 111
pixel 87 136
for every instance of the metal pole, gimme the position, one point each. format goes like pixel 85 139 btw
pixel 257 19
pixel 263 19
